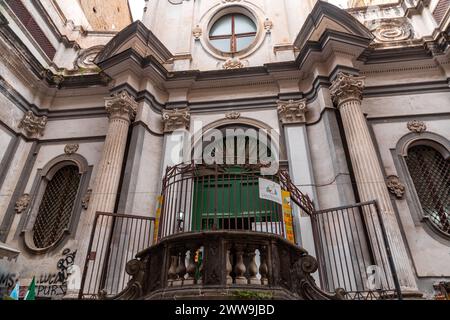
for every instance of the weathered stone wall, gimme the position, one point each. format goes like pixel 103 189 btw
pixel 107 15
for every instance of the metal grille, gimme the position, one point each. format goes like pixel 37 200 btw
pixel 430 173
pixel 56 208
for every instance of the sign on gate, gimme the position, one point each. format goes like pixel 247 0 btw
pixel 287 216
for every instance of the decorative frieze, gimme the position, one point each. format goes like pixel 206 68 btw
pixel 233 63
pixel 197 32
pixel 122 105
pixel 22 203
pixel 417 126
pixel 396 187
pixel 176 119
pixel 33 125
pixel 71 149
pixel 233 115
pixel 346 88
pixel 292 111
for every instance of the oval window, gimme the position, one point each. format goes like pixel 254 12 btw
pixel 233 33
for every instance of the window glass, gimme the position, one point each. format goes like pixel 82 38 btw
pixel 243 24
pixel 222 26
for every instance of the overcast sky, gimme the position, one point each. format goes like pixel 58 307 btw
pixel 137 6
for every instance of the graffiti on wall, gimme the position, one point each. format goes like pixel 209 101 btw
pixel 48 285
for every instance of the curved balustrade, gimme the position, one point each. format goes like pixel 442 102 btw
pixel 219 265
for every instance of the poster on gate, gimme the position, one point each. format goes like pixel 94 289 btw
pixel 287 216
pixel 158 217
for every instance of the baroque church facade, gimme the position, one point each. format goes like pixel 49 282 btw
pixel 112 136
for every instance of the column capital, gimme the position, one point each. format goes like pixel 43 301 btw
pixel 176 119
pixel 33 125
pixel 347 87
pixel 121 105
pixel 292 111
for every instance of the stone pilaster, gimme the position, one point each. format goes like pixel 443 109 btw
pixel 347 93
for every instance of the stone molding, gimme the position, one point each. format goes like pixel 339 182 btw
pixel 347 88
pixel 122 105
pixel 292 111
pixel 176 119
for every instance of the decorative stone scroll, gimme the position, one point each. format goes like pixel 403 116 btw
pixel 176 119
pixel 233 63
pixel 396 187
pixel 292 111
pixel 233 115
pixel 268 25
pixel 71 149
pixel 417 126
pixel 392 30
pixel 33 125
pixel 197 32
pixel 22 203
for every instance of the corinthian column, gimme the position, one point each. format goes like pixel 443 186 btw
pixel 346 92
pixel 121 109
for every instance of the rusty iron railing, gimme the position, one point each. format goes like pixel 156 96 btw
pixel 115 240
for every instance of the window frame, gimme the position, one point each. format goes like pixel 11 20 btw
pixel 42 179
pixel 441 145
pixel 233 37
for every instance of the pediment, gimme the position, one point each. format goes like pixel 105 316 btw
pixel 138 38
pixel 326 17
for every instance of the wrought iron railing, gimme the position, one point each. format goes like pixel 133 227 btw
pixel 115 240
pixel 353 252
pixel 223 197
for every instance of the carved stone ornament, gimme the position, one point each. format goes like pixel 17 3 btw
pixel 122 105
pixel 71 149
pixel 396 187
pixel 86 199
pixel 233 63
pixel 86 58
pixel 392 30
pixel 233 115
pixel 22 203
pixel 417 126
pixel 197 32
pixel 176 119
pixel 33 125
pixel 346 88
pixel 268 25
pixel 228 1
pixel 292 111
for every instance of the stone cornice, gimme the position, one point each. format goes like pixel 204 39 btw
pixel 121 105
pixel 176 119
pixel 292 111
pixel 346 88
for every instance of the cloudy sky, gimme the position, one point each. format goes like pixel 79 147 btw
pixel 137 6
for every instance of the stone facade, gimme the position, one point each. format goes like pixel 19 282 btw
pixel 346 93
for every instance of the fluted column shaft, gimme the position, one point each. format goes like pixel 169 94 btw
pixel 347 94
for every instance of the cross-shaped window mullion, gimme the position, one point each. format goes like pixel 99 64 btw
pixel 233 36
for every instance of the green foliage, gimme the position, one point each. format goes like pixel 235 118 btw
pixel 252 295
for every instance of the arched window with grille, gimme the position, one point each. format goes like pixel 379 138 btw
pixel 429 170
pixel 56 207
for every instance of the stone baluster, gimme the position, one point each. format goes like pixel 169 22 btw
pixel 229 268
pixel 172 274
pixel 181 268
pixel 200 280
pixel 347 93
pixel 240 268
pixel 263 268
pixel 190 268
pixel 252 268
